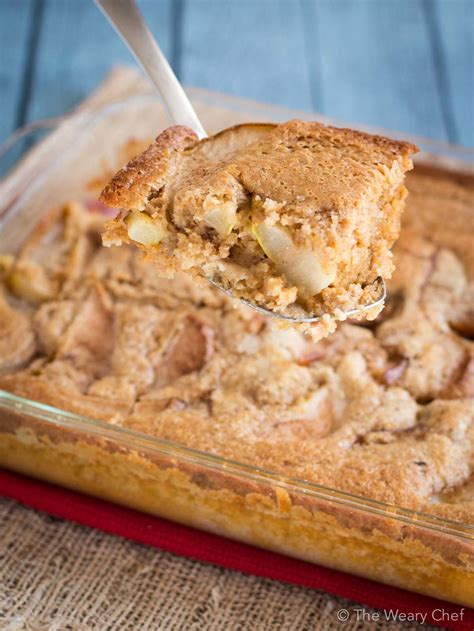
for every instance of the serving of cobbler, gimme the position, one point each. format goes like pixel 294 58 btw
pixel 298 218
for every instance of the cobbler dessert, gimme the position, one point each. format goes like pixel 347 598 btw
pixel 382 409
pixel 299 218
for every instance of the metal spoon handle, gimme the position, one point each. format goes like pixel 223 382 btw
pixel 128 22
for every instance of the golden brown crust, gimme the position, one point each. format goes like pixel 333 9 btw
pixel 60 396
pixel 349 136
pixel 131 186
pixel 383 411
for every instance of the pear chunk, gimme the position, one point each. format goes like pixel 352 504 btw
pixel 145 230
pixel 301 266
pixel 222 219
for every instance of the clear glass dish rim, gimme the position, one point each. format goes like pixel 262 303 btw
pixel 151 444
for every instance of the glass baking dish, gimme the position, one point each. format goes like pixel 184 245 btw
pixel 391 544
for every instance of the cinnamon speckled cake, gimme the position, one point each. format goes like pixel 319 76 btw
pixel 297 217
pixel 96 330
pixel 381 409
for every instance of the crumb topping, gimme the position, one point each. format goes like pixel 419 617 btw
pixel 382 409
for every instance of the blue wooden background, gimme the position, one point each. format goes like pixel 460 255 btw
pixel 402 64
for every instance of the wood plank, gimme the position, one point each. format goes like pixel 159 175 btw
pixel 15 18
pixel 374 64
pixel 454 25
pixel 77 47
pixel 251 48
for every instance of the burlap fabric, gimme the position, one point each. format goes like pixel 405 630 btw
pixel 58 576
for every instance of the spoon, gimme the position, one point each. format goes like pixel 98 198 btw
pixel 128 22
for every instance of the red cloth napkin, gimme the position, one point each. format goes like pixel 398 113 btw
pixel 203 546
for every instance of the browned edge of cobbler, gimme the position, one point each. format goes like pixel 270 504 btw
pixel 454 550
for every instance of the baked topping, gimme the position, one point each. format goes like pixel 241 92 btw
pixel 292 217
pixel 384 410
